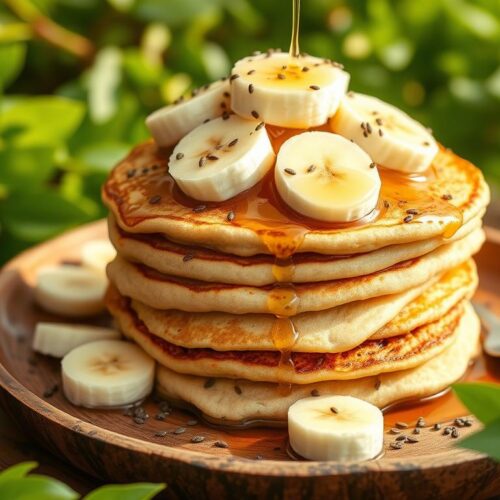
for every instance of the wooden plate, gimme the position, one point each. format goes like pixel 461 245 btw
pixel 111 446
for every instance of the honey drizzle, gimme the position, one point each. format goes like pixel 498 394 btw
pixel 294 43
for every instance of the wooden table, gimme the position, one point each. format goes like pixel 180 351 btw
pixel 16 447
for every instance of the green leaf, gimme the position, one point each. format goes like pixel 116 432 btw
pixel 17 471
pixel 138 491
pixel 35 214
pixel 19 166
pixel 39 121
pixel 102 156
pixel 483 400
pixel 11 62
pixel 485 441
pixel 36 487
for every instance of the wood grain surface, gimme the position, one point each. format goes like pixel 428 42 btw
pixel 112 447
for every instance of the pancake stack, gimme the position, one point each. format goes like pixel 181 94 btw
pixel 248 306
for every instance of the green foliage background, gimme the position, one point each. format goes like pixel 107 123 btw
pixel 78 77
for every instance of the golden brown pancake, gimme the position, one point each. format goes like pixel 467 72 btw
pixel 168 257
pixel 370 358
pixel 454 189
pixel 169 292
pixel 335 330
pixel 259 400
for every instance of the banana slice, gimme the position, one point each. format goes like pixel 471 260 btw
pixel 326 177
pixel 222 158
pixel 107 373
pixel 339 428
pixel 170 123
pixel 57 339
pixel 72 291
pixel 97 255
pixel 389 136
pixel 288 92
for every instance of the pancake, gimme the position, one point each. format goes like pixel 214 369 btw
pixel 168 292
pixel 370 358
pixel 254 400
pixel 459 283
pixel 168 257
pixel 455 189
pixel 335 330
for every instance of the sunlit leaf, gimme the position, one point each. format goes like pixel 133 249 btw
pixel 39 121
pixel 17 471
pixel 483 400
pixel 11 62
pixel 34 164
pixel 36 487
pixel 34 214
pixel 138 491
pixel 485 441
pixel 103 156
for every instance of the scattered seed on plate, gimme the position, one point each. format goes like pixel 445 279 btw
pixel 420 422
pixel 180 430
pixel 401 425
pixel 455 433
pixel 394 430
pixel 221 444
pixel 411 439
pixel 402 438
pixel 160 434
pixel 161 416
pixel 447 430
pixel 436 427
pixel 197 439
pixel 192 422
pixel 139 420
pixel 259 457
pixel 396 445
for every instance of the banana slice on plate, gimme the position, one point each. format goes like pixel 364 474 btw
pixel 97 254
pixel 339 428
pixel 57 339
pixel 171 123
pixel 289 92
pixel 326 177
pixel 71 291
pixel 107 373
pixel 222 158
pixel 387 134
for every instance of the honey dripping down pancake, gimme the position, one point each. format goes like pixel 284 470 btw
pixel 335 330
pixel 260 401
pixel 370 358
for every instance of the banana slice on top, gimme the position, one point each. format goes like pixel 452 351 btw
pixel 339 428
pixel 107 373
pixel 326 177
pixel 289 92
pixel 222 158
pixel 170 123
pixel 387 134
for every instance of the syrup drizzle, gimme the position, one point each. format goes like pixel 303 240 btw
pixel 294 43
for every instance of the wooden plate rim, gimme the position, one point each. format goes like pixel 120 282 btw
pixel 229 464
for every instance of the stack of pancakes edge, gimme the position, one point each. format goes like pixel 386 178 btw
pixel 384 311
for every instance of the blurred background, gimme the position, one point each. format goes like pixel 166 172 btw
pixel 78 77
